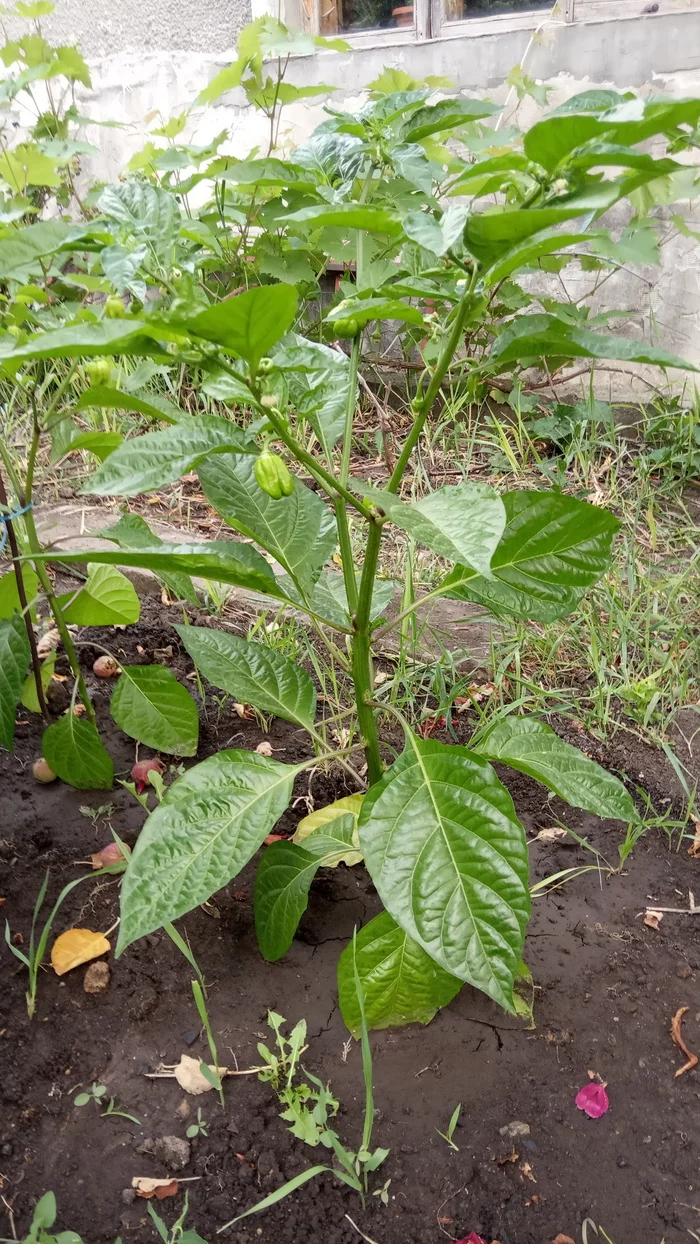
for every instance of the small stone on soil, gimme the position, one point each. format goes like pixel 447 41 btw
pixel 183 1110
pixel 129 1196
pixel 683 971
pixel 96 978
pixel 514 1130
pixel 173 1151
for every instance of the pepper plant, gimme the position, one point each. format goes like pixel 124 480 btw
pixel 427 250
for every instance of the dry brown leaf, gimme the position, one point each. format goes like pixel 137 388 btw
pixel 77 946
pixel 244 711
pixel 677 1037
pixel 694 848
pixel 264 748
pixel 190 1078
pixel 48 643
pixel 527 1172
pixel 652 919
pixel 149 1188
pixel 553 834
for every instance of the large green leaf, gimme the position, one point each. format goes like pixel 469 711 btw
pixel 210 823
pixel 249 324
pixel 107 599
pixel 14 659
pixel 157 458
pixel 366 310
pixel 532 747
pixel 252 673
pixel 9 596
pixel 447 114
pixel 226 561
pixel 551 140
pixel 101 444
pixel 462 522
pixel 448 856
pixel 74 750
pixel 545 336
pixel 283 879
pixel 527 255
pixel 145 211
pixel 318 380
pixel 400 982
pixel 299 531
pixel 269 172
pixel 105 398
pixel 21 249
pixel 132 532
pixel 30 698
pixel 150 705
pixel 553 549
pixel 371 217
pixel 488 233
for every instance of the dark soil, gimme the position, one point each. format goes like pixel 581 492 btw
pixel 606 989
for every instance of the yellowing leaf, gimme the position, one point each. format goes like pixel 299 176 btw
pixel 322 817
pixel 76 946
pixel 148 1188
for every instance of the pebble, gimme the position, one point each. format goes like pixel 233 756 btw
pixel 683 971
pixel 96 979
pixel 129 1196
pixel 173 1151
pixel 515 1130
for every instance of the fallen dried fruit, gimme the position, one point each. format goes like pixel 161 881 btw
pixel 42 772
pixel 264 748
pixel 105 667
pixel 111 854
pixel 553 834
pixel 652 919
pixel 76 946
pixel 190 1078
pixel 148 1188
pixel 677 1037
pixel 694 848
pixel 141 773
pixel 593 1099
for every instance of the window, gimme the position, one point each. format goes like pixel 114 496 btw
pixel 352 16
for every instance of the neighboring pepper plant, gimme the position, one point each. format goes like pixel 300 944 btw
pixel 436 828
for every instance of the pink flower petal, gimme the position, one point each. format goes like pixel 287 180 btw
pixel 593 1099
pixel 472 1238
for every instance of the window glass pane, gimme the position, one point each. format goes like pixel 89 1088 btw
pixel 457 10
pixel 339 16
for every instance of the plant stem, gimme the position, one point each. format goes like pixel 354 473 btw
pixel 340 507
pixel 328 482
pixel 362 673
pixel 21 592
pixel 423 405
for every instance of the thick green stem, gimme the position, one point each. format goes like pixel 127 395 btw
pixel 47 586
pixel 362 674
pixel 24 605
pixel 423 406
pixel 340 507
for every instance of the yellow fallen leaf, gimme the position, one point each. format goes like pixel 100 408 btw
pixel 76 946
pixel 190 1078
pixel 322 818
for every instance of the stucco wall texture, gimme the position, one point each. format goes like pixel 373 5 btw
pixel 109 27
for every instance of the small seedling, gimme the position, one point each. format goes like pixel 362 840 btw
pixel 43 1219
pixel 96 1094
pixel 177 1233
pixel 94 814
pixel 383 1192
pixel 200 1128
pixel 212 1076
pixel 451 1128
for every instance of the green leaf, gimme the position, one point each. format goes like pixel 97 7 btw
pixel 400 982
pixel 226 80
pixel 253 673
pixel 373 218
pixel 210 823
pixel 528 255
pixel 334 820
pixel 330 599
pixel 104 398
pixel 249 324
pixel 546 336
pixel 283 879
pixel 101 444
pixel 127 336
pixel 226 561
pixel 462 522
pixel 446 115
pixel 74 750
pixel 299 531
pixel 151 706
pixel 552 550
pixel 145 212
pixel 533 748
pixel 551 140
pixel 157 458
pixel 225 388
pixel 14 659
pixel 364 310
pixel 9 596
pixel 29 698
pixel 318 379
pixel 107 599
pixel 26 165
pixel 132 532
pixel 24 247
pixel 120 266
pixel 448 856
pixel 269 172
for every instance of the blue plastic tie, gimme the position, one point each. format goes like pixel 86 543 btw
pixel 7 518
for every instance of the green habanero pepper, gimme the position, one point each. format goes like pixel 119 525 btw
pixel 114 308
pixel 346 328
pixel 99 371
pixel 273 475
